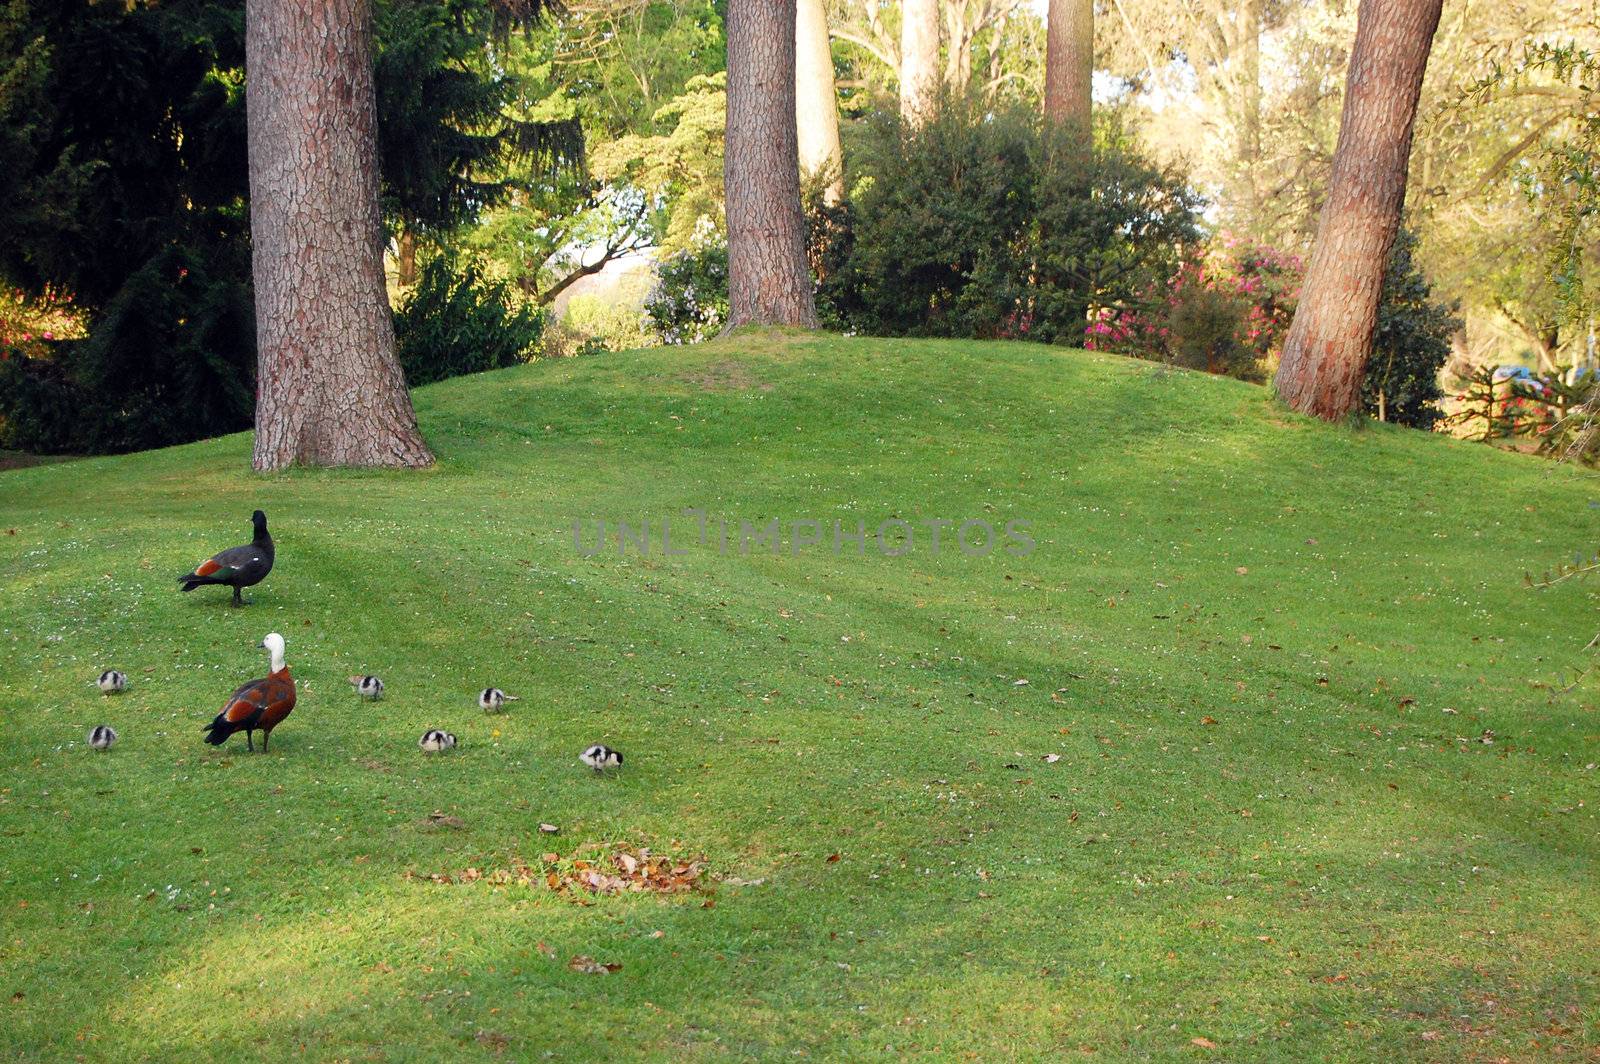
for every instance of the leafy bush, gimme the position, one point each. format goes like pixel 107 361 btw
pixel 37 403
pixel 1186 319
pixel 938 227
pixel 170 358
pixel 456 321
pixel 1205 326
pixel 979 223
pixel 690 300
pixel 561 340
pixel 1411 343
pixel 1224 313
pixel 1111 227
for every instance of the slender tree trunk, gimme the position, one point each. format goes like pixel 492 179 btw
pixel 816 99
pixel 768 282
pixel 919 58
pixel 331 391
pixel 1549 346
pixel 1069 65
pixel 1249 147
pixel 406 259
pixel 961 24
pixel 1330 339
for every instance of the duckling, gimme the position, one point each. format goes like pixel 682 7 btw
pixel 111 681
pixel 102 736
pixel 368 687
pixel 601 758
pixel 493 700
pixel 436 741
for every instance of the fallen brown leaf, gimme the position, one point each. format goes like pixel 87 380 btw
pixel 587 965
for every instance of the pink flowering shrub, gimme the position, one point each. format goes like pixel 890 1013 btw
pixel 28 325
pixel 1225 311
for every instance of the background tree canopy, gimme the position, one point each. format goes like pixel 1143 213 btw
pixel 545 159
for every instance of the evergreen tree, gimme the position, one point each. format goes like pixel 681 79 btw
pixel 123 181
pixel 1409 345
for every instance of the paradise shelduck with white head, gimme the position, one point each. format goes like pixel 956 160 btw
pixel 236 567
pixel 111 681
pixel 435 741
pixel 368 687
pixel 601 758
pixel 493 700
pixel 102 736
pixel 259 705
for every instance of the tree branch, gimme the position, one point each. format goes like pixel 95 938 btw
pixel 1509 156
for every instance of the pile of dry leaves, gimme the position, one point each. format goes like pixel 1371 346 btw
pixel 593 868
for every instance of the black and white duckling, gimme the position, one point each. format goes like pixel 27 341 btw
pixel 436 741
pixel 111 681
pixel 102 736
pixel 368 687
pixel 493 700
pixel 601 758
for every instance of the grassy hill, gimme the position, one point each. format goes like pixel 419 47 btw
pixel 1313 795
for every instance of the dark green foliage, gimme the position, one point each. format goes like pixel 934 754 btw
pixel 122 134
pixel 690 300
pixel 38 404
pixel 970 225
pixel 942 213
pixel 1410 344
pixel 978 224
pixel 830 246
pixel 123 181
pixel 1110 228
pixel 1202 325
pixel 442 130
pixel 457 321
pixel 171 359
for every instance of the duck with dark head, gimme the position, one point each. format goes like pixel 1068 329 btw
pixel 236 567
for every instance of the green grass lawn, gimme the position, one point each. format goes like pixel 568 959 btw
pixel 1316 798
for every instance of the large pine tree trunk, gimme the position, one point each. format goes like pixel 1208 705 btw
pixel 1069 65
pixel 816 101
pixel 1326 351
pixel 919 58
pixel 768 280
pixel 330 390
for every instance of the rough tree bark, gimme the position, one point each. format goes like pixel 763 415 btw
pixel 1330 339
pixel 768 281
pixel 816 100
pixel 1069 65
pixel 919 58
pixel 330 389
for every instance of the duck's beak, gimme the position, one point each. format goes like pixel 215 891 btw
pixel 262 645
